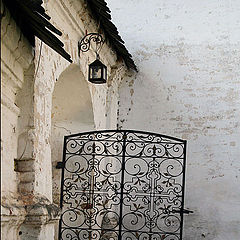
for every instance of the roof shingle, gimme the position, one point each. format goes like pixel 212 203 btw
pixel 30 16
pixel 101 12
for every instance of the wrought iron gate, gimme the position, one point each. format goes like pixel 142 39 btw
pixel 122 184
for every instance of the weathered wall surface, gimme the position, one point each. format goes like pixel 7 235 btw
pixel 188 86
pixel 32 109
pixel 73 20
pixel 16 66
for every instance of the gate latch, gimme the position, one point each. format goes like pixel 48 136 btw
pixel 184 211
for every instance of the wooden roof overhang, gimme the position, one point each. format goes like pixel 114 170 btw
pixel 33 21
pixel 101 12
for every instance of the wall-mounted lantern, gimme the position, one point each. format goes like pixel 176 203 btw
pixel 97 72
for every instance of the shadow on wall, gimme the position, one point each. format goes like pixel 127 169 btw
pixel 72 112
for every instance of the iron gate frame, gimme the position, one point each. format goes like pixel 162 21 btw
pixel 179 233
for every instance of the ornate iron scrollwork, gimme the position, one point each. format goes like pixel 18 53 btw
pixel 85 43
pixel 123 185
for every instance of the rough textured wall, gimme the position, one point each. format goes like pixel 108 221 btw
pixel 16 66
pixel 27 172
pixel 73 20
pixel 188 86
pixel 16 58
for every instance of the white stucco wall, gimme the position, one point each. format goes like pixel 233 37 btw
pixel 30 145
pixel 16 66
pixel 73 20
pixel 188 86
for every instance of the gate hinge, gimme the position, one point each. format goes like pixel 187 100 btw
pixel 60 165
pixel 184 211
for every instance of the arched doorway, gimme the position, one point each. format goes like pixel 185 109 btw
pixel 72 112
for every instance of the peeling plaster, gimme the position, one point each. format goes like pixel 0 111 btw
pixel 188 86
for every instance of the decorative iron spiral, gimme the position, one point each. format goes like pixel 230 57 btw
pixel 122 185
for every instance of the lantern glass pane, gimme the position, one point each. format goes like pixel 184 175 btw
pixel 95 72
pixel 105 73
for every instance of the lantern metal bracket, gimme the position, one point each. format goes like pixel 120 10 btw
pixel 85 44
